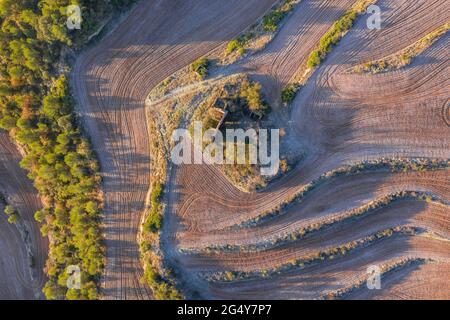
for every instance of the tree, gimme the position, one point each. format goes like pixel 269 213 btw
pixel 314 59
pixel 251 92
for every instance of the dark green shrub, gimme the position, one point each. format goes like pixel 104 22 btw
pixel 200 66
pixel 272 19
pixel 288 94
pixel 332 37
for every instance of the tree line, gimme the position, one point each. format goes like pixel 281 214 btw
pixel 37 109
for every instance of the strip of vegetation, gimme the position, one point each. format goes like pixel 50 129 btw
pixel 392 165
pixel 8 209
pixel 336 32
pixel 37 110
pixel 268 25
pixel 385 270
pixel 153 221
pixel 156 275
pixel 403 57
pixel 163 287
pixel 308 230
pixel 200 67
pixel 330 254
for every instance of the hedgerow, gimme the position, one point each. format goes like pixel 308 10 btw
pixel 313 258
pixel 335 33
pixel 269 24
pixel 200 67
pixel 288 93
pixel 153 221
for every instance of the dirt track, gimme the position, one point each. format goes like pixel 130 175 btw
pixel 340 118
pixel 18 280
pixel 111 82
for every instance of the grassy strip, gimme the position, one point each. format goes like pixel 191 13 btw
pixel 330 254
pixel 8 209
pixel 392 165
pixel 385 270
pixel 288 93
pixel 37 109
pixel 156 276
pixel 336 32
pixel 303 232
pixel 405 56
pixel 269 25
pixel 200 67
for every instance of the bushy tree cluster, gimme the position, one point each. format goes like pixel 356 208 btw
pixel 36 108
pixel 272 19
pixel 163 287
pixel 251 93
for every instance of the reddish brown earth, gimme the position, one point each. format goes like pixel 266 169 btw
pixel 17 279
pixel 111 82
pixel 415 282
pixel 338 117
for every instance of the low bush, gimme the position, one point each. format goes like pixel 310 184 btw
pixel 272 19
pixel 12 214
pixel 288 94
pixel 153 221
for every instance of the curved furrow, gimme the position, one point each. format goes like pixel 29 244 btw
pixel 337 195
pixel 315 280
pixel 431 217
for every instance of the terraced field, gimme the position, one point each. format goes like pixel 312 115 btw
pixel 310 234
pixel 24 251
